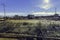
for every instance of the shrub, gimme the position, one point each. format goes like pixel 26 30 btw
pixel 25 23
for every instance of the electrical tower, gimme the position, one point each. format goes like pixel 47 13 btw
pixel 55 10
pixel 3 4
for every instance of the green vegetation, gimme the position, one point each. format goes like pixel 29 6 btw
pixel 31 27
pixel 7 39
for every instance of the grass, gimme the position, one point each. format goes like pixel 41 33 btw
pixel 45 23
pixel 7 39
pixel 19 27
pixel 21 21
pixel 34 21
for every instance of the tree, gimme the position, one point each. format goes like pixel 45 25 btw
pixel 16 17
pixel 31 16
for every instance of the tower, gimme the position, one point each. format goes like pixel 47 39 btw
pixel 4 10
pixel 56 15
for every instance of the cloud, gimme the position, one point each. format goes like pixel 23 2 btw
pixel 44 13
pixel 46 1
pixel 12 14
pixel 45 5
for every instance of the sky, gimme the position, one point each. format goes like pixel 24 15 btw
pixel 25 7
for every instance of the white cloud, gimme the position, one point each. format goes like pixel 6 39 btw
pixel 45 5
pixel 12 14
pixel 44 13
pixel 46 1
pixel 34 13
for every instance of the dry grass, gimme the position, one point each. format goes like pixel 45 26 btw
pixel 45 22
pixel 7 39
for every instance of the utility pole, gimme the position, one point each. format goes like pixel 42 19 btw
pixel 4 10
pixel 56 14
pixel 55 10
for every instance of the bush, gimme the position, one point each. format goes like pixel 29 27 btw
pixel 25 23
